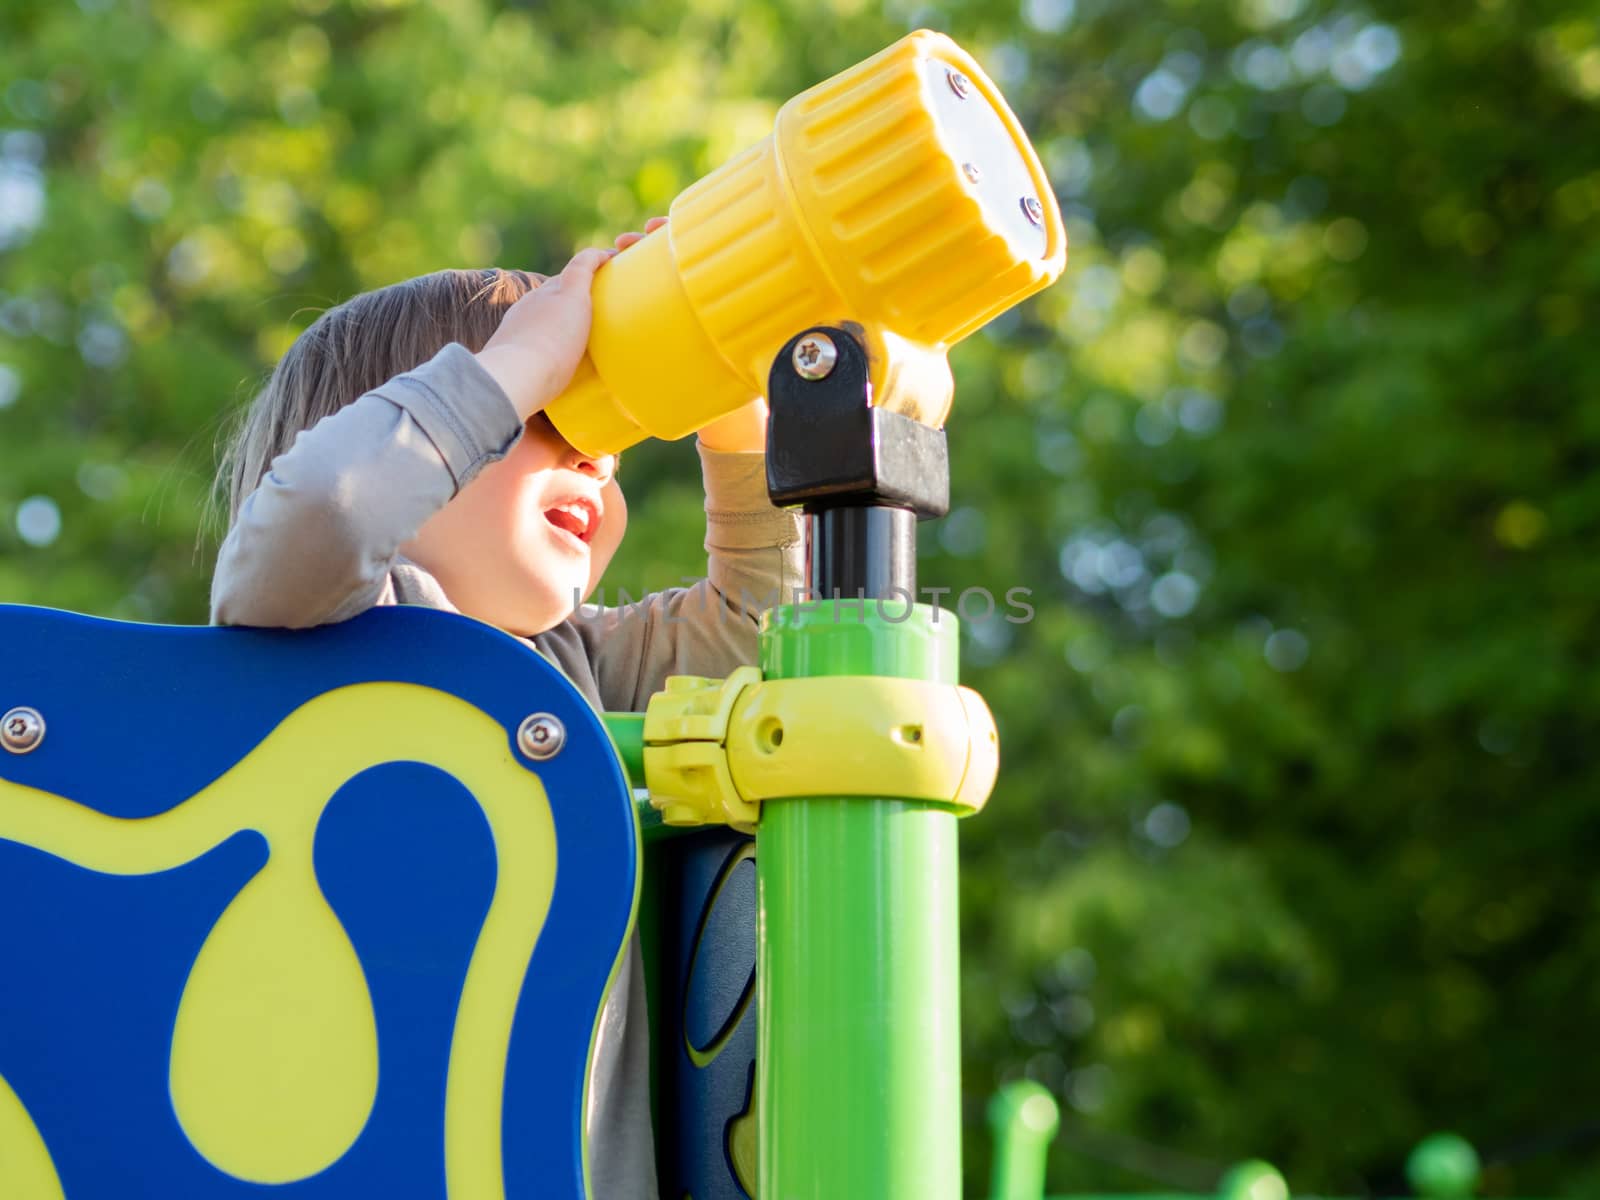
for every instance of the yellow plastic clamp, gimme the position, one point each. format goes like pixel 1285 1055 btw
pixel 866 735
pixel 716 749
pixel 685 762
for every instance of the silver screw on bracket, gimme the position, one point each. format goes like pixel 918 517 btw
pixel 814 356
pixel 21 730
pixel 542 736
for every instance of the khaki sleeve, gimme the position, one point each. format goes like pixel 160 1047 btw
pixel 753 562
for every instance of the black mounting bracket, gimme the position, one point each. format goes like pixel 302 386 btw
pixel 828 446
pixel 864 475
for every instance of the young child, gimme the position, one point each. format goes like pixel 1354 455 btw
pixel 399 455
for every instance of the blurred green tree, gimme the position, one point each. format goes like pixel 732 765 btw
pixel 1291 854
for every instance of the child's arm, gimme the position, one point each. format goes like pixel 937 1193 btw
pixel 754 560
pixel 314 543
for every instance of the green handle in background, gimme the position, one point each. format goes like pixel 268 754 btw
pixel 627 735
pixel 1024 1118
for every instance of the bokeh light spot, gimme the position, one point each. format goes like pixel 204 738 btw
pixel 38 521
pixel 1287 650
pixel 1174 594
pixel 1167 825
pixel 1519 526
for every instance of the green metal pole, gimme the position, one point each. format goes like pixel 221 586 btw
pixel 858 1078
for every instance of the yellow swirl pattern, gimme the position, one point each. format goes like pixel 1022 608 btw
pixel 25 1165
pixel 274 1059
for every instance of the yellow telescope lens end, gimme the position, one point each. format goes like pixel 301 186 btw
pixel 901 197
pixel 923 198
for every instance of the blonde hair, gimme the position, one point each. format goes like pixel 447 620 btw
pixel 357 346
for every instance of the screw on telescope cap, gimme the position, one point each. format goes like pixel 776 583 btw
pixel 973 172
pixel 814 356
pixel 1033 210
pixel 959 83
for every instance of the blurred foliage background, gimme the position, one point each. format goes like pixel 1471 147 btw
pixel 1293 851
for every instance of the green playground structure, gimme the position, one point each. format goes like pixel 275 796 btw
pixel 798 890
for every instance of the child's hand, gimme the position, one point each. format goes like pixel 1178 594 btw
pixel 542 337
pixel 650 226
pixel 744 430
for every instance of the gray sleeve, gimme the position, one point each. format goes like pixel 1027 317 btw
pixel 314 543
pixel 753 562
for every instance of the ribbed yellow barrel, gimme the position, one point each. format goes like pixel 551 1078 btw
pixel 902 194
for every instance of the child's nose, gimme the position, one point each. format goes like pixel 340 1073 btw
pixel 599 466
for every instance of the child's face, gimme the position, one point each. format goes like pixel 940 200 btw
pixel 528 539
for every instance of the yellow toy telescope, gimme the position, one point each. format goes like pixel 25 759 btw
pixel 900 198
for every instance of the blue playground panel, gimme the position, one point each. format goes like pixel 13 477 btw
pixel 93 964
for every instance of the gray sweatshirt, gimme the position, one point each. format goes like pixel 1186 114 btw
pixel 319 541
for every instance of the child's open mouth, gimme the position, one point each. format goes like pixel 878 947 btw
pixel 577 518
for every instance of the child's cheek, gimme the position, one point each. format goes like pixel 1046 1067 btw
pixel 616 513
pixel 609 537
